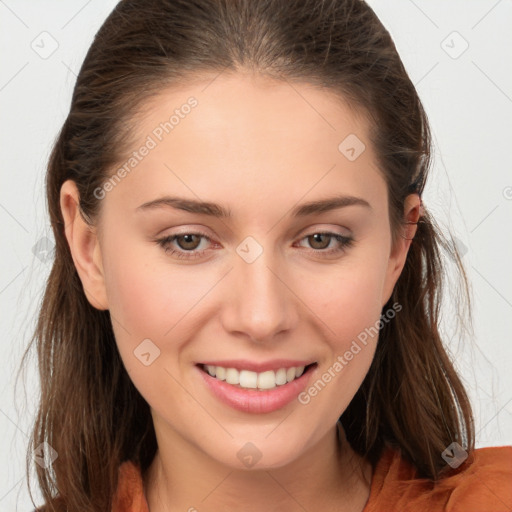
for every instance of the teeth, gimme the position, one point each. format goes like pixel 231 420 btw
pixel 248 379
pixel 267 380
pixel 232 375
pixel 253 380
pixel 281 376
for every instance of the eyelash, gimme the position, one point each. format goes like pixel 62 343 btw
pixel 345 243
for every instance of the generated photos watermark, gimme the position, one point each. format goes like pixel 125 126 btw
pixel 343 360
pixel 151 142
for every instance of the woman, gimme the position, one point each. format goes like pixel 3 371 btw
pixel 243 309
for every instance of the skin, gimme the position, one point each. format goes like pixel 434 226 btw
pixel 259 147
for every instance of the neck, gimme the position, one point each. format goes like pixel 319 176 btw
pixel 329 476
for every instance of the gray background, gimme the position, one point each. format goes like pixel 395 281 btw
pixel 467 93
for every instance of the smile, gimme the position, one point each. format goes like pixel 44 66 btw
pixel 253 380
pixel 256 392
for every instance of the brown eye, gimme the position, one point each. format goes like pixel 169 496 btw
pixel 189 242
pixel 319 243
pixel 316 240
pixel 184 246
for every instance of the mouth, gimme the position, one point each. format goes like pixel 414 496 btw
pixel 261 381
pixel 257 392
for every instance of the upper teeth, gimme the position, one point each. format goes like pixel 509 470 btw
pixel 247 379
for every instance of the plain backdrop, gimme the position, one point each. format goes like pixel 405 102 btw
pixel 457 53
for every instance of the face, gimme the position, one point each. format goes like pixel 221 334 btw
pixel 274 285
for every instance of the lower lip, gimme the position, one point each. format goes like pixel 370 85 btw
pixel 253 400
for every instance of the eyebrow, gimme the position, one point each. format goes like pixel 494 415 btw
pixel 218 211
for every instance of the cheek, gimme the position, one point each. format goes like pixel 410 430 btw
pixel 349 306
pixel 155 302
pixel 147 297
pixel 349 300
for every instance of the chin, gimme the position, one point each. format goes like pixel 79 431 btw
pixel 258 455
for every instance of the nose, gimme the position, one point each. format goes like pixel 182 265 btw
pixel 261 303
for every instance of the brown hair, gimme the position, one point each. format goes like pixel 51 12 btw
pixel 89 410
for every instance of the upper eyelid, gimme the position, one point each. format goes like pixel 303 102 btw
pixel 310 230
pixel 299 237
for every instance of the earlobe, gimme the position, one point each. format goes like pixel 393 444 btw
pixel 84 246
pixel 412 213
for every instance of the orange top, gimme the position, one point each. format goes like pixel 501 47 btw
pixel 483 483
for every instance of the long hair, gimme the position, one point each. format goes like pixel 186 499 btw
pixel 89 411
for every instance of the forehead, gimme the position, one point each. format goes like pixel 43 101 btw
pixel 255 104
pixel 244 137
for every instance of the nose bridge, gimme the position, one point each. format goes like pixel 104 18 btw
pixel 261 305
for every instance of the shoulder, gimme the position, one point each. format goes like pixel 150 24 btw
pixel 129 495
pixel 483 483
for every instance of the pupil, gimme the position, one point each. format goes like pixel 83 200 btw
pixel 188 240
pixel 317 237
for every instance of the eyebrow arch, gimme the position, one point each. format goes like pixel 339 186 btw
pixel 216 210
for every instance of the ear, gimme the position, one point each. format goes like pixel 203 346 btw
pixel 84 246
pixel 412 212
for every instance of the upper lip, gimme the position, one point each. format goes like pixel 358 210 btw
pixel 244 364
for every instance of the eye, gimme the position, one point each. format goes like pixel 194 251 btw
pixel 318 242
pixel 188 243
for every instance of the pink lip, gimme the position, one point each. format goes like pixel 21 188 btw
pixel 254 400
pixel 244 364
